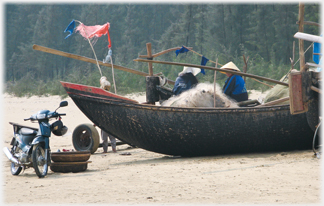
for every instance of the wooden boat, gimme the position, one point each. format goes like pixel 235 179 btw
pixel 193 131
pixel 200 131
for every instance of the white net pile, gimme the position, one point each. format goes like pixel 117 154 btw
pixel 201 96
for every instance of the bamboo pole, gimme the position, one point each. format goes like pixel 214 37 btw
pixel 301 42
pixel 215 84
pixel 310 23
pixel 162 52
pixel 245 65
pixel 190 49
pixel 217 69
pixel 89 60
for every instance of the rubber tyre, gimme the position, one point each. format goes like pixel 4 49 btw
pixel 15 170
pixel 40 163
pixel 85 137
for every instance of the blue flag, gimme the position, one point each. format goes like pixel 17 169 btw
pixel 70 28
pixel 204 60
pixel 182 50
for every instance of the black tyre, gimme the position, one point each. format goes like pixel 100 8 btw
pixel 15 169
pixel 85 137
pixel 40 163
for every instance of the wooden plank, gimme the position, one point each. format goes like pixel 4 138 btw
pixel 297 105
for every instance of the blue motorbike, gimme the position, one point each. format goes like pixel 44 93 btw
pixel 30 146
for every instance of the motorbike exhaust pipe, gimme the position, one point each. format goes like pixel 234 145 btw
pixel 10 156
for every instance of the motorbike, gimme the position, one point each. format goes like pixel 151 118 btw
pixel 30 146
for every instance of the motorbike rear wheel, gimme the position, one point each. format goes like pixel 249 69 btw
pixel 15 169
pixel 40 163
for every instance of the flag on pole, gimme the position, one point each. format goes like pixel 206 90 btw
pixel 70 28
pixel 182 50
pixel 94 31
pixel 204 60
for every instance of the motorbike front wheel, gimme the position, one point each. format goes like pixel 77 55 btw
pixel 15 169
pixel 40 163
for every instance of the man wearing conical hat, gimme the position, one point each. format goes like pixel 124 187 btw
pixel 185 80
pixel 234 85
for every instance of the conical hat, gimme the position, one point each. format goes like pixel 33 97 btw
pixel 192 70
pixel 231 66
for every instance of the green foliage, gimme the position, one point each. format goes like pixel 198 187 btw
pixel 262 32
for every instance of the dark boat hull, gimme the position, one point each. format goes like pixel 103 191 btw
pixel 193 131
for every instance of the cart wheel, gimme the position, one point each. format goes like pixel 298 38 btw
pixel 85 137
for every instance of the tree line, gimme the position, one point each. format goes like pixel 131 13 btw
pixel 262 32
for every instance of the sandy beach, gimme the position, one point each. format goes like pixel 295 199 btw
pixel 150 178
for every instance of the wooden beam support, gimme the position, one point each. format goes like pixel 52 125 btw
pixel 89 60
pixel 149 56
pixel 310 23
pixel 217 69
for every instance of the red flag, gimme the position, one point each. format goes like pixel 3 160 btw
pixel 94 31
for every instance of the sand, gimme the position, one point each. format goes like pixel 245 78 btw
pixel 150 178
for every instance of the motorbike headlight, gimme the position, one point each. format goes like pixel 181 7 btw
pixel 40 116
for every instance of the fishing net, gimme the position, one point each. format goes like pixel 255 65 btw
pixel 201 96
pixel 279 91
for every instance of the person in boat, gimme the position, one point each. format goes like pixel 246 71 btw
pixel 234 85
pixel 186 80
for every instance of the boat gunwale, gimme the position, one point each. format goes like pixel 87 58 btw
pixel 182 109
pixel 133 103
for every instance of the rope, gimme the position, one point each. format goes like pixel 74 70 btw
pixel 91 46
pixel 112 70
pixel 317 154
pixel 297 62
pixel 202 56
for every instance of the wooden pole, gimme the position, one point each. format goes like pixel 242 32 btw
pixel 316 89
pixel 301 42
pixel 149 56
pixel 162 52
pixel 245 65
pixel 215 83
pixel 217 69
pixel 89 60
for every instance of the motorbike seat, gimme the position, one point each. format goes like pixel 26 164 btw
pixel 27 131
